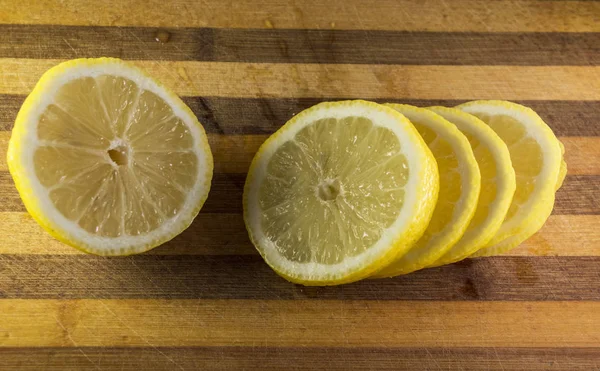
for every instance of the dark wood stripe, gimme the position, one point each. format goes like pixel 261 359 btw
pixel 300 45
pixel 580 194
pixel 225 194
pixel 298 358
pixel 8 194
pixel 228 194
pixel 263 116
pixel 248 277
pixel 68 42
pixel 415 48
pixel 10 107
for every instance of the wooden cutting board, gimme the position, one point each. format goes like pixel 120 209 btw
pixel 206 300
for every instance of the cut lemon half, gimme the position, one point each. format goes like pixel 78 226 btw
pixel 536 157
pixel 497 183
pixel 338 192
pixel 459 190
pixel 108 160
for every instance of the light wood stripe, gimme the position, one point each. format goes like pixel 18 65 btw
pixel 266 80
pixel 233 153
pixel 430 15
pixel 581 154
pixel 225 234
pixel 83 323
pixel 271 358
pixel 564 235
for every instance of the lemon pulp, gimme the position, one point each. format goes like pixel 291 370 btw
pixel 339 191
pixel 102 169
pixel 322 200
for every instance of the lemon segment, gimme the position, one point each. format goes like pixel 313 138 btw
pixel 459 190
pixel 497 183
pixel 339 191
pixel 108 160
pixel 537 160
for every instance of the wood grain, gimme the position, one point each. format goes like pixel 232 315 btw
pixel 580 194
pixel 563 235
pixel 225 234
pixel 225 196
pixel 223 115
pixel 209 234
pixel 233 153
pixel 277 358
pixel 580 153
pixel 267 80
pixel 206 300
pixel 248 277
pixel 301 323
pixel 301 46
pixel 433 15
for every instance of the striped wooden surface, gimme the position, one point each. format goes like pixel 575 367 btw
pixel 206 300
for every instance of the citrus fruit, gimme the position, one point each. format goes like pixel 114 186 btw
pixel 107 159
pixel 537 160
pixel 562 173
pixel 497 183
pixel 459 190
pixel 339 191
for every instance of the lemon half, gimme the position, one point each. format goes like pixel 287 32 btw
pixel 108 160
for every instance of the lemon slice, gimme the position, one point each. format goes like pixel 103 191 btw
pixel 562 173
pixel 459 190
pixel 497 183
pixel 536 157
pixel 339 191
pixel 108 160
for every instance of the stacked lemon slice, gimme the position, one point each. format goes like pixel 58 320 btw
pixel 355 189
